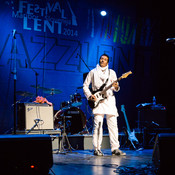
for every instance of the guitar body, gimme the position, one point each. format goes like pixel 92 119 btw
pixel 133 140
pixel 99 96
pixel 132 137
pixel 100 93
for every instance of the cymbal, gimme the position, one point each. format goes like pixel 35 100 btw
pixel 25 93
pixel 48 90
pixel 51 91
pixel 38 87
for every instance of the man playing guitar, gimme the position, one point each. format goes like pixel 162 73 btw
pixel 101 77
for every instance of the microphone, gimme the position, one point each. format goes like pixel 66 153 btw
pixel 170 40
pixel 14 33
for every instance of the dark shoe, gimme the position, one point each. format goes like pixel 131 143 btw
pixel 98 153
pixel 118 152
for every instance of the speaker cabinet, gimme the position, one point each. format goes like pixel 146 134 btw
pixel 28 113
pixel 164 153
pixel 25 154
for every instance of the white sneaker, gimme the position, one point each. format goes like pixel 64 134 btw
pixel 98 153
pixel 118 152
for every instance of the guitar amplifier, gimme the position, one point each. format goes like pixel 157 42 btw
pixel 28 114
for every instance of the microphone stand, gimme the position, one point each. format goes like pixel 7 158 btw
pixel 36 82
pixel 14 78
pixel 36 123
pixel 36 74
pixel 83 61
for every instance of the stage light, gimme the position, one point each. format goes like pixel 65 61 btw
pixel 103 13
pixel 32 166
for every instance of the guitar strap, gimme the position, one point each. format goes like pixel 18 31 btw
pixel 103 85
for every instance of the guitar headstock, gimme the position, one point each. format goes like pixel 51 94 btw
pixel 125 75
pixel 123 108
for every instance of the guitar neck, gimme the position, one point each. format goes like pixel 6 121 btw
pixel 126 120
pixel 108 87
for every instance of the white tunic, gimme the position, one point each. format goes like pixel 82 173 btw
pixel 107 106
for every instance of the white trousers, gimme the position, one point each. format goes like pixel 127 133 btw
pixel 98 131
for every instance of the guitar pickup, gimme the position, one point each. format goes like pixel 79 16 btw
pixel 97 95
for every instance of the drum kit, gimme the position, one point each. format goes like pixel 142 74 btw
pixel 75 119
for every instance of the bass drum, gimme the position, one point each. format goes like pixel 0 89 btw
pixel 75 120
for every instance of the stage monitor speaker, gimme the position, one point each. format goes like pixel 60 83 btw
pixel 28 113
pixel 25 154
pixel 164 153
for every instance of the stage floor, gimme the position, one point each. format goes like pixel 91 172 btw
pixel 83 162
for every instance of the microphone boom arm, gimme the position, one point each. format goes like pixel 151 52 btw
pixel 83 61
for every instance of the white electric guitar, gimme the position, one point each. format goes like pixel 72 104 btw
pixel 131 135
pixel 100 94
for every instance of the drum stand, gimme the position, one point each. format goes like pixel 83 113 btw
pixel 64 139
